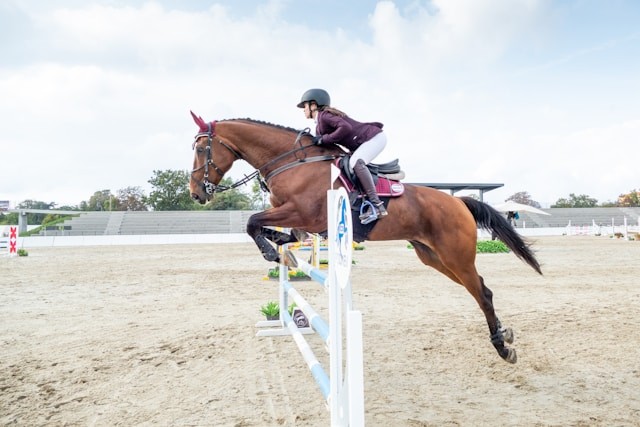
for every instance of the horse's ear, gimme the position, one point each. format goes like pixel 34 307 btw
pixel 201 124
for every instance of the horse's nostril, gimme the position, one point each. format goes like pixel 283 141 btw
pixel 194 196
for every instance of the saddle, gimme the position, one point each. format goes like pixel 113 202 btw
pixel 386 176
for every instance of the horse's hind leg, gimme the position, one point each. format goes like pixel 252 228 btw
pixel 499 335
pixel 474 283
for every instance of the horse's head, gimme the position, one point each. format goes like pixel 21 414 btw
pixel 212 158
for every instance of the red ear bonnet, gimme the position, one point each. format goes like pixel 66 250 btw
pixel 203 127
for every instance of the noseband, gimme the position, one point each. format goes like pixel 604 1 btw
pixel 210 187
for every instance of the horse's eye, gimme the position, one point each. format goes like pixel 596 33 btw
pixel 200 150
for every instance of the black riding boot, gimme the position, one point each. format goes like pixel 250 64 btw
pixel 366 181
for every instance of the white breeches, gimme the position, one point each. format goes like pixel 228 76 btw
pixel 369 150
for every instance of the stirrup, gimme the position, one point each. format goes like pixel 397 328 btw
pixel 368 213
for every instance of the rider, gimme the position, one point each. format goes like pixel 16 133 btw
pixel 364 140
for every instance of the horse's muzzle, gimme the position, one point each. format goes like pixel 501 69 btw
pixel 199 199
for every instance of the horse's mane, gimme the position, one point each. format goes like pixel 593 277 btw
pixel 261 122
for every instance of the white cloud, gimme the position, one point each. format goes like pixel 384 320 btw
pixel 108 101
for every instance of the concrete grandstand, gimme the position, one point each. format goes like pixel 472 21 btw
pixel 141 223
pixel 221 222
pixel 562 217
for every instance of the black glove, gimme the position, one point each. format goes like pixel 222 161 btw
pixel 317 140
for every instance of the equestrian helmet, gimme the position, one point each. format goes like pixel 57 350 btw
pixel 319 96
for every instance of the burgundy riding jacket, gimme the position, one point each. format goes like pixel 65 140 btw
pixel 344 130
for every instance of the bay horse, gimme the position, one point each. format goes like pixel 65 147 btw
pixel 442 228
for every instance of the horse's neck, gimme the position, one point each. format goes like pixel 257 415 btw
pixel 259 144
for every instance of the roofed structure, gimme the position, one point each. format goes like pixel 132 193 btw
pixel 455 187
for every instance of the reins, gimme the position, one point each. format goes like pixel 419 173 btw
pixel 211 188
pixel 298 162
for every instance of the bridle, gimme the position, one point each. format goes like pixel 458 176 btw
pixel 210 188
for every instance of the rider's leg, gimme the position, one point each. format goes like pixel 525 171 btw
pixel 358 163
pixel 366 180
pixel 369 150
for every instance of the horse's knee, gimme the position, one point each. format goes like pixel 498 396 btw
pixel 253 226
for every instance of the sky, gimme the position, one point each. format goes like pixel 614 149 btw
pixel 541 96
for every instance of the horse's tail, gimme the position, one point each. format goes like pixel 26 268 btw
pixel 491 220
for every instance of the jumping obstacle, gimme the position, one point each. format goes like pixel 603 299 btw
pixel 343 387
pixel 11 242
pixel 315 247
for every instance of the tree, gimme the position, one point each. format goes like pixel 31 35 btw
pixel 131 199
pixel 259 197
pixel 233 199
pixel 581 201
pixel 101 200
pixel 524 198
pixel 170 191
pixel 630 199
pixel 68 208
pixel 36 218
pixel 35 204
pixel 9 218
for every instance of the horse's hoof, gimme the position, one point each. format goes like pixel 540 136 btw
pixel 290 259
pixel 300 235
pixel 507 333
pixel 271 256
pixel 511 356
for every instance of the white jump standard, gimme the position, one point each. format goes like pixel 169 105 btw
pixel 342 391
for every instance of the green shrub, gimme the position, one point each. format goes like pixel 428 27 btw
pixel 485 247
pixel 23 252
pixel 491 247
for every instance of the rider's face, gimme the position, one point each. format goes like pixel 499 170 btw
pixel 308 111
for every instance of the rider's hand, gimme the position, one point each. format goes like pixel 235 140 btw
pixel 317 140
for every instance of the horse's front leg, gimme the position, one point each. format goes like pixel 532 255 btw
pixel 280 238
pixel 263 236
pixel 258 233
